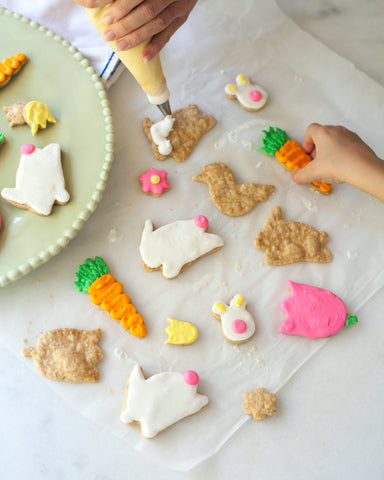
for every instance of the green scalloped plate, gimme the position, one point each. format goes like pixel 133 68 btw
pixel 58 75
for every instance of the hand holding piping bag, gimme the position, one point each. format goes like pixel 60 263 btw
pixel 149 75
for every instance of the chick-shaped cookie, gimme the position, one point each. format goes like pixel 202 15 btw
pixel 250 96
pixel 285 242
pixel 237 324
pixel 231 198
pixel 67 354
pixel 181 332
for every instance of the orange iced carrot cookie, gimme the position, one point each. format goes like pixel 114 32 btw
pixel 10 66
pixel 290 153
pixel 94 277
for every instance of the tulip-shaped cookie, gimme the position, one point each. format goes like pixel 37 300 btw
pixel 237 323
pixel 313 312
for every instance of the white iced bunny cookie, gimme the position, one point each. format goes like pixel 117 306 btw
pixel 39 180
pixel 237 323
pixel 251 97
pixel 173 247
pixel 161 400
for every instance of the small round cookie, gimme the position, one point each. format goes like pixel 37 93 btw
pixel 250 96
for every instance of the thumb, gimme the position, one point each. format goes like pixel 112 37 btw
pixel 306 174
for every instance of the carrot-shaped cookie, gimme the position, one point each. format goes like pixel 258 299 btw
pixel 2 139
pixel 289 153
pixel 94 277
pixel 10 66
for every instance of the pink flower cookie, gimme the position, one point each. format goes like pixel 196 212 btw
pixel 251 97
pixel 154 182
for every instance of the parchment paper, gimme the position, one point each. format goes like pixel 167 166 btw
pixel 306 82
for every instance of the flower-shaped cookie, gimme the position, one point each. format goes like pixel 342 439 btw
pixel 251 97
pixel 259 403
pixel 154 182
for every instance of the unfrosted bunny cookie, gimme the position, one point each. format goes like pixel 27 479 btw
pixel 250 96
pixel 237 323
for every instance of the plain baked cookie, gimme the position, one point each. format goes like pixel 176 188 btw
pixel 285 242
pixel 231 198
pixel 67 354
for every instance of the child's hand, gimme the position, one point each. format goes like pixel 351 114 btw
pixel 131 22
pixel 339 156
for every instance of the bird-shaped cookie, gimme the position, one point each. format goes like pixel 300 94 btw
pixel 229 197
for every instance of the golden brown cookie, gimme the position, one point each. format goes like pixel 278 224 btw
pixel 15 114
pixel 67 354
pixel 287 242
pixel 229 197
pixel 190 124
pixel 259 403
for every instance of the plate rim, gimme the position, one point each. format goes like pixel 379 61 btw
pixel 77 223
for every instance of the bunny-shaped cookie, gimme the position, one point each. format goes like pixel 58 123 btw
pixel 237 323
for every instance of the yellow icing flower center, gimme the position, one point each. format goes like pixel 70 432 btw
pixel 155 179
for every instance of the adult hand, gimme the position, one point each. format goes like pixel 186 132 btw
pixel 131 22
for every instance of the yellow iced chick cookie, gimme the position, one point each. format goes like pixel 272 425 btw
pixel 181 333
pixel 37 115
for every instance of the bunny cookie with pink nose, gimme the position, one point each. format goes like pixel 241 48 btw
pixel 251 97
pixel 237 323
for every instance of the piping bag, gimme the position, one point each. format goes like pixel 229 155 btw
pixel 149 75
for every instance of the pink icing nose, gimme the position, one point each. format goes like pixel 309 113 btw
pixel 201 221
pixel 254 96
pixel 239 326
pixel 27 148
pixel 191 377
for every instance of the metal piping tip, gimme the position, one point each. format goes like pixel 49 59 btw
pixel 165 108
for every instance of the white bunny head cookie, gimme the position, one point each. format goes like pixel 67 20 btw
pixel 237 323
pixel 251 97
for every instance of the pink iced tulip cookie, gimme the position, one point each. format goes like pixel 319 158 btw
pixel 154 182
pixel 313 312
pixel 251 97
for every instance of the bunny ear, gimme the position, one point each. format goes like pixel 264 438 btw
pixel 219 308
pixel 274 215
pixel 238 301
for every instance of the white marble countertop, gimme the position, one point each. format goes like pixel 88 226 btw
pixel 331 430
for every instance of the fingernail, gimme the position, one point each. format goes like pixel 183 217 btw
pixel 107 20
pixel 146 59
pixel 123 45
pixel 109 36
